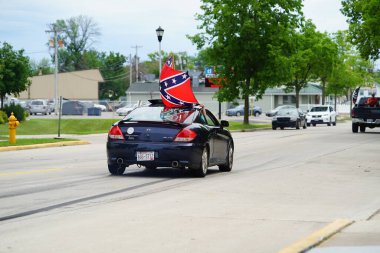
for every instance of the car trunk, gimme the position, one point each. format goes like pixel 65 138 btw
pixel 150 131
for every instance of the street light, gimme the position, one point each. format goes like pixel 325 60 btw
pixel 160 33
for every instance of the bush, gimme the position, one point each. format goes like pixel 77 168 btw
pixel 17 110
pixel 3 117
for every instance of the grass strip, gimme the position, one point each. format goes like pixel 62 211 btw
pixel 240 126
pixel 24 142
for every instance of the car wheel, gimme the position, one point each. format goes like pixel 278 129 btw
pixel 282 128
pixel 229 160
pixel 314 124
pixel 257 114
pixel 298 124
pixel 362 129
pixel 274 128
pixel 116 169
pixel 334 123
pixel 355 127
pixel 329 124
pixel 201 170
pixel 238 114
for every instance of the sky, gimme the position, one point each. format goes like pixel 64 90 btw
pixel 125 24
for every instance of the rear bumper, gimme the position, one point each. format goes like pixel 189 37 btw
pixel 186 154
pixel 367 122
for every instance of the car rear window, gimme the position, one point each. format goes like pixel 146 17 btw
pixel 161 114
pixel 37 103
pixel 319 109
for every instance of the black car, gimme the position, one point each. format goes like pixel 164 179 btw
pixel 289 118
pixel 154 136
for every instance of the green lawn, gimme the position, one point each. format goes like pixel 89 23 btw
pixel 84 126
pixel 68 126
pixel 22 142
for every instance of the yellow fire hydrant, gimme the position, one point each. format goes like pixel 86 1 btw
pixel 13 124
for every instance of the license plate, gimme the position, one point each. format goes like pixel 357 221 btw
pixel 145 156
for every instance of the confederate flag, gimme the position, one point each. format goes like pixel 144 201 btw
pixel 355 95
pixel 175 87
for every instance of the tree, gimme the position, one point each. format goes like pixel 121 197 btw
pixel 246 39
pixel 364 22
pixel 14 71
pixel 115 76
pixel 79 34
pixel 42 67
pixel 302 59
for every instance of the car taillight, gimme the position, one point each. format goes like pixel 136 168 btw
pixel 115 133
pixel 185 135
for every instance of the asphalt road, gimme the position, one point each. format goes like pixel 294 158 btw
pixel 285 185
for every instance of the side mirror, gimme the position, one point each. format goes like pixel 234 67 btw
pixel 224 123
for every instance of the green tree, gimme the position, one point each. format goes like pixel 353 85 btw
pixel 79 34
pixel 364 22
pixel 303 57
pixel 14 71
pixel 116 78
pixel 246 39
pixel 42 67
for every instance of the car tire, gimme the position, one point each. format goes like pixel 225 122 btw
pixel 274 128
pixel 238 114
pixel 201 169
pixel 282 128
pixel 355 127
pixel 329 124
pixel 116 169
pixel 334 123
pixel 257 114
pixel 229 160
pixel 362 129
pixel 314 125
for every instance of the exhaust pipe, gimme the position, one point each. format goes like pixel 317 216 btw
pixel 119 161
pixel 175 164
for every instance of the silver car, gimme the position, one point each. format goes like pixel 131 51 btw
pixel 39 106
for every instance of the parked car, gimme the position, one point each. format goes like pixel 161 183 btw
pixel 106 104
pixel 289 117
pixel 322 114
pixel 125 110
pixel 72 107
pixel 39 106
pixel 273 112
pixel 239 110
pixel 103 108
pixel 154 136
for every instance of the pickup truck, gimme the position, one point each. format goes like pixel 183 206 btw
pixel 364 116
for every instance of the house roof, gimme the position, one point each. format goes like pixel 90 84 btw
pixel 154 87
pixel 310 89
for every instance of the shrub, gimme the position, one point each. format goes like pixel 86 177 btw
pixel 3 117
pixel 17 110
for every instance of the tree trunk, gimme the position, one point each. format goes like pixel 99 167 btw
pixel 323 90
pixel 297 96
pixel 1 102
pixel 246 103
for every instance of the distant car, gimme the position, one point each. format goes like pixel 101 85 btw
pixel 39 106
pixel 322 114
pixel 107 105
pixel 125 110
pixel 103 108
pixel 239 110
pixel 275 110
pixel 292 117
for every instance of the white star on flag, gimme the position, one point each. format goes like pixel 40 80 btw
pixel 174 81
pixel 184 76
pixel 168 97
pixel 166 84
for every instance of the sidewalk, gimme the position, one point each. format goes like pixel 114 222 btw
pixel 360 237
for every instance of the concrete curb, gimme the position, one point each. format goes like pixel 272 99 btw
pixel 45 145
pixel 317 237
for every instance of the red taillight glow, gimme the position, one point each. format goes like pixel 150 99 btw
pixel 115 133
pixel 185 135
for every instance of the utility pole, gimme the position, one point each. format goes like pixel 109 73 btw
pixel 137 62
pixel 130 70
pixel 55 31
